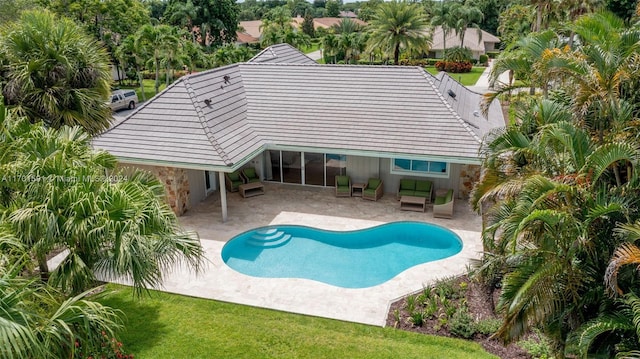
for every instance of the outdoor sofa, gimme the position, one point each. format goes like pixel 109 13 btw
pixel 415 188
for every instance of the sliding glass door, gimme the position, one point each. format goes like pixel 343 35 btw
pixel 319 169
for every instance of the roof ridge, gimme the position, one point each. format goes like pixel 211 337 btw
pixel 207 131
pixel 464 123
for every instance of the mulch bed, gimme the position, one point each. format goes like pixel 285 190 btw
pixel 480 304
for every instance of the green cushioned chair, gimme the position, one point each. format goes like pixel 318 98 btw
pixel 343 186
pixel 373 190
pixel 443 205
pixel 233 181
pixel 250 175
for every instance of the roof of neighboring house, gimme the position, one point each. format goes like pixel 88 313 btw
pixel 327 22
pixel 252 27
pixel 244 38
pixel 282 54
pixel 221 118
pixel 472 39
pixel 349 14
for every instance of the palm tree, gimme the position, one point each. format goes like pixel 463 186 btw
pixel 397 25
pixel 118 225
pixel 38 322
pixel 53 72
pixel 158 41
pixel 330 45
pixel 444 16
pixel 467 16
pixel 130 55
pixel 178 13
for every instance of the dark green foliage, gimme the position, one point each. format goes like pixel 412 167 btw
pixel 333 8
pixel 307 24
pixel 461 324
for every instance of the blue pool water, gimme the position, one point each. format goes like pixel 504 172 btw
pixel 354 259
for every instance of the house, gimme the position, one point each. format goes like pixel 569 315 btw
pixel 299 122
pixel 243 38
pixel 254 27
pixel 478 42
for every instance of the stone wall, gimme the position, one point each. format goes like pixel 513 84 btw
pixel 469 175
pixel 176 184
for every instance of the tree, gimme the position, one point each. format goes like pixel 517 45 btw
pixel 444 16
pixel 307 24
pixel 397 25
pixel 467 16
pixel 368 9
pixel 157 41
pixel 333 8
pixel 492 10
pixel 65 195
pixel 515 23
pixel 182 14
pixel 11 9
pixel 53 72
pixel 217 21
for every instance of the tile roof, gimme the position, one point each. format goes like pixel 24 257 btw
pixel 222 117
pixel 471 39
pixel 282 54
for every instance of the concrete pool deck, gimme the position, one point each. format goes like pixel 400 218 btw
pixel 317 207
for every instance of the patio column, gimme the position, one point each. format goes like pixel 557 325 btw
pixel 223 196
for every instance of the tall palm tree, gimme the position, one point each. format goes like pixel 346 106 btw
pixel 397 25
pixel 467 16
pixel 158 41
pixel 444 16
pixel 53 72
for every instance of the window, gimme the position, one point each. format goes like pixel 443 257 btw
pixel 419 167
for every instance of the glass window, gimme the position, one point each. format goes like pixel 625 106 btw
pixel 291 167
pixel 419 167
pixel 336 165
pixel 314 168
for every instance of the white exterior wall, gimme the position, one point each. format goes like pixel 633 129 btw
pixel 197 192
pixel 362 168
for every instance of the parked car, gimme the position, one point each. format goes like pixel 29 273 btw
pixel 121 99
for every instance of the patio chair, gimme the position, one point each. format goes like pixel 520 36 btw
pixel 249 174
pixel 373 190
pixel 233 181
pixel 443 205
pixel 343 186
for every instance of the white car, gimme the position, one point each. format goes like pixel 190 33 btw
pixel 122 99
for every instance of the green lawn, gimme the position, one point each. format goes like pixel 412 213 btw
pixel 149 89
pixel 174 326
pixel 315 46
pixel 467 79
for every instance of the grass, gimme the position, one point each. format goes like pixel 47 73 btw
pixel 149 88
pixel 467 79
pixel 173 326
pixel 315 46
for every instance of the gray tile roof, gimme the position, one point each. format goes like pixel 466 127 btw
pixel 282 54
pixel 220 118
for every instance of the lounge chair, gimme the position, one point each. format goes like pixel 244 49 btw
pixel 373 190
pixel 233 181
pixel 249 174
pixel 343 186
pixel 443 205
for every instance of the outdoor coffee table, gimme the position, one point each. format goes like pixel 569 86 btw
pixel 412 203
pixel 251 189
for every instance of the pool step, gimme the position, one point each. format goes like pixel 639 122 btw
pixel 269 238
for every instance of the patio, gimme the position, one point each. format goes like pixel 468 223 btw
pixel 318 207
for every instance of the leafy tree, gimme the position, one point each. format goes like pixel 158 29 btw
pixel 11 9
pixel 53 72
pixel 333 8
pixel 622 8
pixel 182 14
pixel 307 24
pixel 368 9
pixel 492 10
pixel 515 23
pixel 467 16
pixel 217 21
pixel 277 28
pixel 397 25
pixel 231 54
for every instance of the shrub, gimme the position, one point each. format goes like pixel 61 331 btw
pixel 454 67
pixel 488 326
pixel 110 349
pixel 462 324
pixel 537 346
pixel 458 54
pixel 493 54
pixel 483 59
pixel 417 318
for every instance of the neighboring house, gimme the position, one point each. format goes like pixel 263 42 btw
pixel 299 122
pixel 479 43
pixel 349 14
pixel 253 27
pixel 243 38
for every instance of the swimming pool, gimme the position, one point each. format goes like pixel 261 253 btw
pixel 353 259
